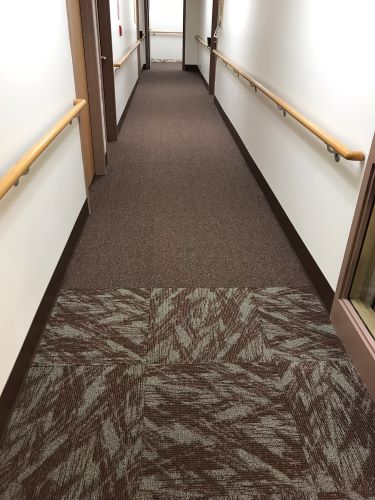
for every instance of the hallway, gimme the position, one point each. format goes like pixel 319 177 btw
pixel 179 206
pixel 188 355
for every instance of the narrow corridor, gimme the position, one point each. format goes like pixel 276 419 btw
pixel 188 355
pixel 179 206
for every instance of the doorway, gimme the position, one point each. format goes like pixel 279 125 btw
pixel 166 31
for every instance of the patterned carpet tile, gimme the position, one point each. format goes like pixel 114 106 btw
pixel 96 327
pixel 187 326
pixel 225 394
pixel 204 325
pixel 336 420
pixel 296 326
pixel 74 434
pixel 220 431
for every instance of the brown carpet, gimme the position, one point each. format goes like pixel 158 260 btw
pixel 179 206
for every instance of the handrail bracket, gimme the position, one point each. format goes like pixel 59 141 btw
pixel 281 109
pixel 333 152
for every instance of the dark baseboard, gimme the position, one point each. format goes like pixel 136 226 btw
pixel 125 112
pixel 17 376
pixel 312 269
pixel 203 78
pixel 191 67
pixel 195 69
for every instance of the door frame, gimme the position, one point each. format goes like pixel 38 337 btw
pixel 91 42
pixel 183 33
pixel 147 34
pixel 213 59
pixel 139 46
pixel 104 18
pixel 80 79
pixel 354 334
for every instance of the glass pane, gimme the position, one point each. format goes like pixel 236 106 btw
pixel 362 294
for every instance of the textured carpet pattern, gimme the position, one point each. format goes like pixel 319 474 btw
pixel 179 206
pixel 204 325
pixel 201 393
pixel 96 327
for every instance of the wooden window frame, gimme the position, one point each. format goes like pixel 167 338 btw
pixel 357 340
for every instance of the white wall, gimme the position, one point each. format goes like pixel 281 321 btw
pixel 204 31
pixel 166 15
pixel 191 29
pixel 317 55
pixel 36 218
pixel 126 76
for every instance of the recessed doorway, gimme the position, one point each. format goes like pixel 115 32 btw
pixel 166 30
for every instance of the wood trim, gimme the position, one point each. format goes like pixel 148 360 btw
pixel 365 311
pixel 12 176
pixel 358 229
pixel 104 17
pixel 90 31
pixel 357 340
pixel 335 146
pixel 125 112
pixel 147 34
pixel 313 271
pixel 183 35
pixel 17 377
pixel 212 77
pixel 80 78
pixel 139 39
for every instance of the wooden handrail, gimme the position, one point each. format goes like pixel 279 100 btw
pixel 156 32
pixel 12 176
pixel 200 40
pixel 333 145
pixel 126 56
